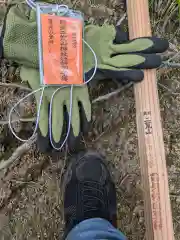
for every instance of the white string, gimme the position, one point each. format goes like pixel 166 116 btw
pixel 38 114
pixel 95 65
pixel 33 6
pixel 60 7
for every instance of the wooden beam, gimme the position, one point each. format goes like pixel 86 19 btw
pixel 158 214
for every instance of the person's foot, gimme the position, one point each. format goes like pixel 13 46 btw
pixel 89 191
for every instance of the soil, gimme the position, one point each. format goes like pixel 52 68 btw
pixel 31 205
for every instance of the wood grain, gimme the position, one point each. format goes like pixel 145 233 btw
pixel 158 214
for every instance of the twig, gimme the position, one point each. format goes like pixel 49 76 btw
pixel 174 196
pixel 15 86
pixel 174 48
pixel 121 19
pixel 18 153
pixel 112 94
pixel 174 57
pixel 6 122
pixel 101 135
pixel 168 89
pixel 171 65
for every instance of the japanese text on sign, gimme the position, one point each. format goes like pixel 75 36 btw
pixel 50 32
pixel 147 123
pixel 62 50
pixel 155 198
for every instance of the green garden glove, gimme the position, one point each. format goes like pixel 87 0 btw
pixel 81 112
pixel 19 36
pixel 20 45
pixel 119 58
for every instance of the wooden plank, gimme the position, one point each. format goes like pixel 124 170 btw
pixel 158 214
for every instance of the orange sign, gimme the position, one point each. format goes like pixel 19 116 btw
pixel 62 50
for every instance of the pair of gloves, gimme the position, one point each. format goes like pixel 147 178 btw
pixel 117 58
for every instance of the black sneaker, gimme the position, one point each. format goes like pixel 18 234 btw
pixel 89 191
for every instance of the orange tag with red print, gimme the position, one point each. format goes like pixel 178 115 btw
pixel 62 50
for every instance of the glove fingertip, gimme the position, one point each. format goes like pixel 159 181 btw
pixel 160 45
pixel 151 61
pixel 125 76
pixel 43 143
pixel 84 120
pixel 73 142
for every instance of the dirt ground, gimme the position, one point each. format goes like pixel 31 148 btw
pixel 30 189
